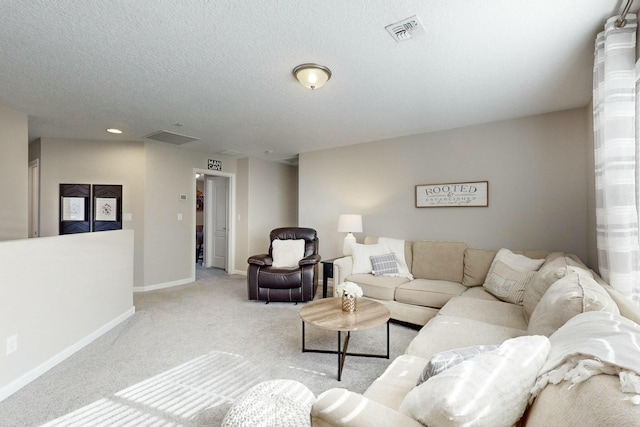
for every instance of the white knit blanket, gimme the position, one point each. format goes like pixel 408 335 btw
pixel 594 343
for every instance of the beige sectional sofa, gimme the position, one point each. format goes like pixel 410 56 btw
pixel 447 295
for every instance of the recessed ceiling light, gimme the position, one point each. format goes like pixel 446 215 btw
pixel 114 130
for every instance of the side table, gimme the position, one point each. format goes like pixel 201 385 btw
pixel 327 272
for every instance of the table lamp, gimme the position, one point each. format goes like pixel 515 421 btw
pixel 349 224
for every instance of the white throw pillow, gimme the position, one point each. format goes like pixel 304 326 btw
pixel 492 389
pixel 516 261
pixel 362 257
pixel 287 253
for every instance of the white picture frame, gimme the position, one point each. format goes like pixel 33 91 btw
pixel 73 209
pixel 106 209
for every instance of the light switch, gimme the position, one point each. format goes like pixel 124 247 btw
pixel 127 217
pixel 179 217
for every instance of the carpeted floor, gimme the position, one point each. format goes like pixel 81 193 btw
pixel 187 354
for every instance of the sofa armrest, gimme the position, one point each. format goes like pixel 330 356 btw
pixel 261 260
pixel 342 268
pixel 340 407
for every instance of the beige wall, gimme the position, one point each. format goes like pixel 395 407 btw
pixel 64 161
pixel 273 198
pixel 536 168
pixel 242 216
pixel 169 255
pixel 71 298
pixel 14 175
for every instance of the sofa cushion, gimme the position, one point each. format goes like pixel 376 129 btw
pixel 476 266
pixel 573 294
pixel 440 362
pixel 491 389
pixel 450 332
pixel 428 293
pixel 381 287
pixel 479 292
pixel 595 402
pixel 495 312
pixel 556 266
pixel 398 379
pixel 438 260
pixel 507 283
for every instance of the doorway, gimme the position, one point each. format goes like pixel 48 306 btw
pixel 34 198
pixel 214 210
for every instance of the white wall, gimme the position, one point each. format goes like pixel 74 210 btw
pixel 14 164
pixel 57 295
pixel 64 161
pixel 273 199
pixel 536 168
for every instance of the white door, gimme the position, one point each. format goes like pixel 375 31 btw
pixel 216 228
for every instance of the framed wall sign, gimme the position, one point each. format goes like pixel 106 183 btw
pixel 215 165
pixel 454 194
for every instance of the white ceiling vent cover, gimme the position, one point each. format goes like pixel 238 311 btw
pixel 406 29
pixel 170 137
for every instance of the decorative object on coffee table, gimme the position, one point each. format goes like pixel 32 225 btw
pixel 350 293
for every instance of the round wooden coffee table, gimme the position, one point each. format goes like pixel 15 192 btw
pixel 327 314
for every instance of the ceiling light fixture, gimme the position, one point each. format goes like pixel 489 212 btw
pixel 312 76
pixel 114 130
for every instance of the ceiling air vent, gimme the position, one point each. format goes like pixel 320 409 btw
pixel 406 29
pixel 170 137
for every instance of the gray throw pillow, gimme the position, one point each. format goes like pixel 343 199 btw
pixel 384 264
pixel 442 361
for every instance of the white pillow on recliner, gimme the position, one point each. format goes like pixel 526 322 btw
pixel 287 253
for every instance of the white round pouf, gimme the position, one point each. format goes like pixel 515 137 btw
pixel 272 403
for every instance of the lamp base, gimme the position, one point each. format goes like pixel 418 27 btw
pixel 349 241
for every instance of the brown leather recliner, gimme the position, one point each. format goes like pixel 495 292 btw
pixel 267 283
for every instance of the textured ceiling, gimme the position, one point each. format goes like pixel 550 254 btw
pixel 223 68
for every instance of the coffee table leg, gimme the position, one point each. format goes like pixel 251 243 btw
pixel 342 354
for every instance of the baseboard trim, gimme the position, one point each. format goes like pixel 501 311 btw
pixel 33 374
pixel 240 272
pixel 164 285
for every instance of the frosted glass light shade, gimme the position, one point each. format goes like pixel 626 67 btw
pixel 312 76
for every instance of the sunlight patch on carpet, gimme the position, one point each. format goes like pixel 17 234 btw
pixel 208 381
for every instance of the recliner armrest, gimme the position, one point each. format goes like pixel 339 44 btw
pixel 309 260
pixel 262 260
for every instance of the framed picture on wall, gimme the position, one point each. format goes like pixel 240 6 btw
pixel 106 209
pixel 73 209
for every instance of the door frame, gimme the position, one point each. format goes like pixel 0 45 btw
pixel 231 215
pixel 34 198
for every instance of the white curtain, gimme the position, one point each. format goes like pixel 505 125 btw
pixel 615 119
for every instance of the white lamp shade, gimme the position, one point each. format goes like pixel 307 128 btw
pixel 348 223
